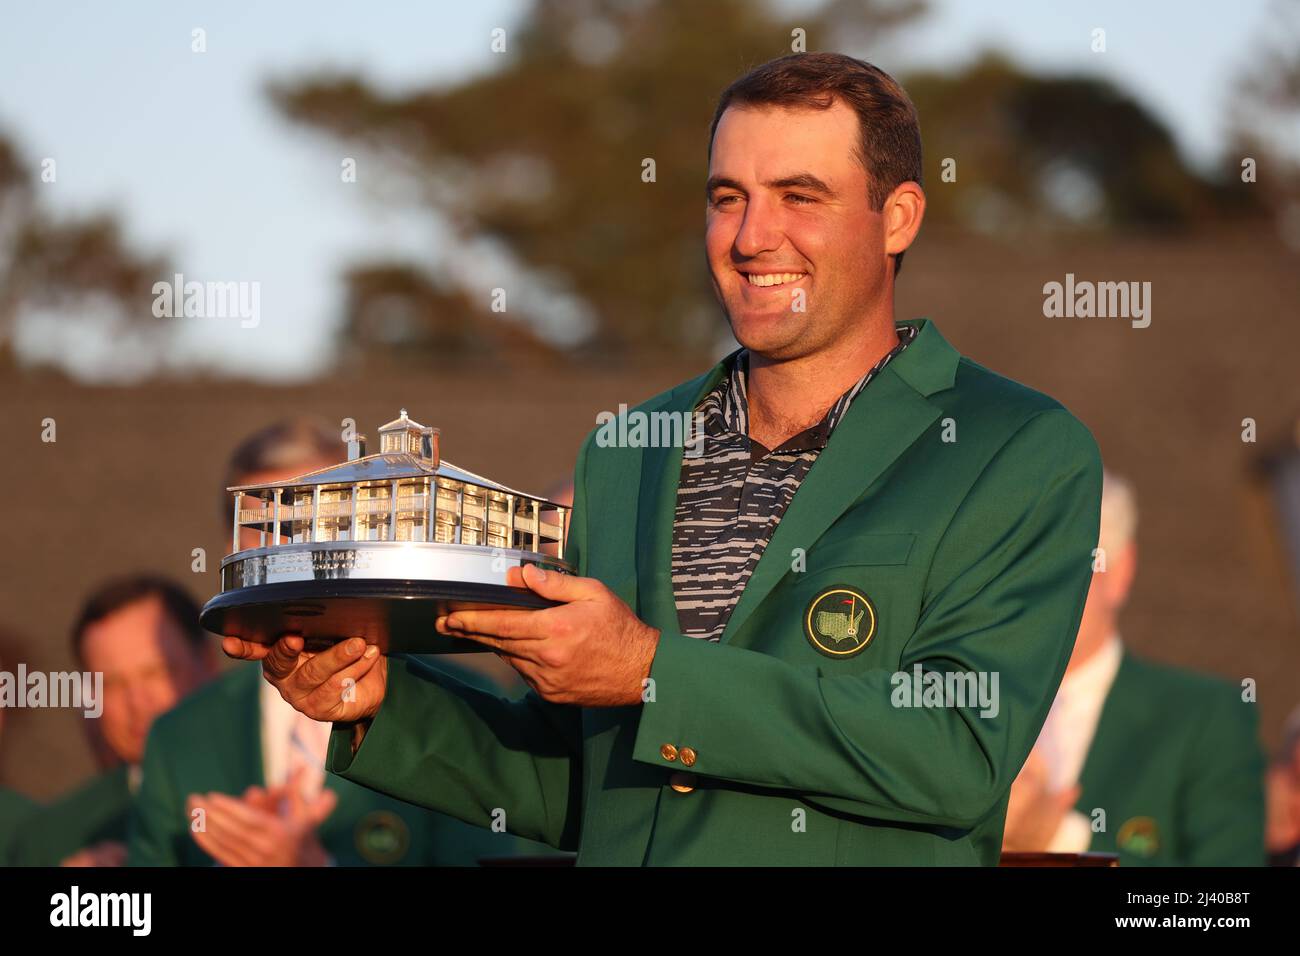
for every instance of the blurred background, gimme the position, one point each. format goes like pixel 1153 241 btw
pixel 378 172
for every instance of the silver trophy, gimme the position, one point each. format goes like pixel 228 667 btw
pixel 378 546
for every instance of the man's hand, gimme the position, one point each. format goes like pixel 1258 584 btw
pixel 590 650
pixel 272 827
pixel 108 853
pixel 1282 832
pixel 344 684
pixel 1034 813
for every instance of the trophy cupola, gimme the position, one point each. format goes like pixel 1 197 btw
pixel 402 436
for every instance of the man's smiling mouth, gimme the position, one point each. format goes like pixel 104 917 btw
pixel 768 279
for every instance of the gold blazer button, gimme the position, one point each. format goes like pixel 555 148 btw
pixel 668 752
pixel 682 782
pixel 688 756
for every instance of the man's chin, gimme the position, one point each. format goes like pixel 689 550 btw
pixel 768 335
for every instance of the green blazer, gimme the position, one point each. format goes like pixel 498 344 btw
pixel 1177 767
pixel 962 505
pixel 95 812
pixel 212 741
pixel 15 809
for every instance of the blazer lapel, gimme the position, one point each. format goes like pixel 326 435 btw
pixel 1108 753
pixel 242 743
pixel 656 507
pixel 883 421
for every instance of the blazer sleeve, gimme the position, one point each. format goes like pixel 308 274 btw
pixel 1004 597
pixel 439 743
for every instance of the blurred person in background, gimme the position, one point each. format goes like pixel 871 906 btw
pixel 142 633
pixel 1172 757
pixel 14 806
pixel 237 776
pixel 1284 797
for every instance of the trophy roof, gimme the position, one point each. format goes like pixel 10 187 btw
pixel 403 423
pixel 385 466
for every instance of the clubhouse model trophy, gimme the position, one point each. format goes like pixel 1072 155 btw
pixel 378 546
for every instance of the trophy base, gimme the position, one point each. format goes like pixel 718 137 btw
pixel 398 615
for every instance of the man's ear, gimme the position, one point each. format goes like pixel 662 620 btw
pixel 903 210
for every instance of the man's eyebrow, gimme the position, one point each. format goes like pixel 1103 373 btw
pixel 802 180
pixel 721 182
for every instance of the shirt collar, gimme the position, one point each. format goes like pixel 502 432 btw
pixel 726 407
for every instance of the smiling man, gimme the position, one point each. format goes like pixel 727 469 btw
pixel 719 683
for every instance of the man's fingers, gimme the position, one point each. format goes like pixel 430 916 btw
pixel 282 658
pixel 225 807
pixel 525 649
pixel 517 625
pixel 558 586
pixel 219 837
pixel 226 849
pixel 328 681
pixel 321 667
pixel 243 650
pixel 247 831
pixel 111 853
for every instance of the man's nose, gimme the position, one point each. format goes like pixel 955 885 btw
pixel 144 700
pixel 760 230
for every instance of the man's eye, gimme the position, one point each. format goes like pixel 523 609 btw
pixel 722 200
pixel 800 200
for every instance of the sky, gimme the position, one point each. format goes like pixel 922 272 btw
pixel 187 150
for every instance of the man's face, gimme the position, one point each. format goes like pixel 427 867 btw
pixel 787 196
pixel 148 666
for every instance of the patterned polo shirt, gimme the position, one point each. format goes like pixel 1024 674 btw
pixel 731 497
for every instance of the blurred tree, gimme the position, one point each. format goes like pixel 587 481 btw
pixel 544 155
pixel 1052 152
pixel 1263 122
pixel 396 306
pixel 63 266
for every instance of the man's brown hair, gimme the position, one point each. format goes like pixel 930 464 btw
pixel 119 593
pixel 889 149
pixel 289 443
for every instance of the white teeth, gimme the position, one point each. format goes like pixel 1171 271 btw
pixel 775 278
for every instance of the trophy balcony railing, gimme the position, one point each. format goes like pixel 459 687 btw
pixel 458 516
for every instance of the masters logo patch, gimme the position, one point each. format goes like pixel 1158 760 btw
pixel 1139 836
pixel 382 837
pixel 840 621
